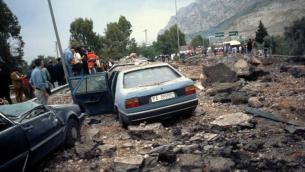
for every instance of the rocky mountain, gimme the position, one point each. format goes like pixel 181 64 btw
pixel 210 16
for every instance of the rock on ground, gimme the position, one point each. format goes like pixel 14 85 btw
pixel 218 164
pixel 232 119
pixel 132 163
pixel 147 132
pixel 255 102
pixel 219 73
pixel 190 161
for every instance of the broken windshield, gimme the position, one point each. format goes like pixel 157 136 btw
pixel 149 76
pixel 16 110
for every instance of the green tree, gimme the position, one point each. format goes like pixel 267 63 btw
pixel 295 36
pixel 206 42
pixel 11 43
pixel 261 33
pixel 197 41
pixel 117 38
pixel 148 51
pixel 82 32
pixel 132 46
pixel 167 42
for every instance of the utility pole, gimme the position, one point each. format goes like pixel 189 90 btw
pixel 146 38
pixel 56 48
pixel 178 39
pixel 58 41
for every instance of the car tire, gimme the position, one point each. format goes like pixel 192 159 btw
pixel 122 121
pixel 73 133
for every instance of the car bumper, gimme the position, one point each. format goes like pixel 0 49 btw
pixel 162 112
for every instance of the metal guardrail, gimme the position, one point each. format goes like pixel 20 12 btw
pixel 55 90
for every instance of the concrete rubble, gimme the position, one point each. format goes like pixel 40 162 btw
pixel 220 136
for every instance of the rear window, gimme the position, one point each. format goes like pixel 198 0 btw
pixel 149 76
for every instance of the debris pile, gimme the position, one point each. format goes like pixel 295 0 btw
pixel 250 118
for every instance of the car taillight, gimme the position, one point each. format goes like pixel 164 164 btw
pixel 132 103
pixel 190 90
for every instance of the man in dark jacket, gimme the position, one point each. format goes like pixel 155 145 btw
pixel 5 82
pixel 59 73
pixel 51 70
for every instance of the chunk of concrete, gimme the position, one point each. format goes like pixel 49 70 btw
pixel 242 68
pixel 223 88
pixel 190 161
pixel 86 151
pixel 146 132
pixel 239 98
pixel 232 119
pixel 203 136
pixel 132 163
pixel 219 164
pixel 219 73
pixel 107 149
pixel 255 102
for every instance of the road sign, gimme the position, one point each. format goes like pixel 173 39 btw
pixel 233 33
pixel 219 34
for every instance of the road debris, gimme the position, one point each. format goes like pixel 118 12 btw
pixel 220 136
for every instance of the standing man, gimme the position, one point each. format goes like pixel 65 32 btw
pixel 39 83
pixel 68 56
pixel 50 68
pixel 16 78
pixel 91 58
pixel 59 73
pixel 5 82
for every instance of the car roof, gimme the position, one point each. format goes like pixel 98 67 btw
pixel 134 66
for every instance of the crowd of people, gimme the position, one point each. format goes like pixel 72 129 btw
pixel 80 61
pixel 24 85
pixel 41 78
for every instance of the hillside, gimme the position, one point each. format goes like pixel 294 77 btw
pixel 210 16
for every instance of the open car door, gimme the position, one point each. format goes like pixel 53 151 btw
pixel 92 93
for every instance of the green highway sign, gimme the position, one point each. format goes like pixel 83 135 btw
pixel 219 34
pixel 233 33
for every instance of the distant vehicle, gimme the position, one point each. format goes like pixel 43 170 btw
pixel 29 131
pixel 136 92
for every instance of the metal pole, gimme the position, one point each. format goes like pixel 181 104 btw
pixel 56 47
pixel 178 39
pixel 58 41
pixel 146 38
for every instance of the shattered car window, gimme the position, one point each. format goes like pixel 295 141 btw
pixel 149 76
pixel 93 84
pixel 18 109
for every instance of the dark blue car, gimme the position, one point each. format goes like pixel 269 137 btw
pixel 29 131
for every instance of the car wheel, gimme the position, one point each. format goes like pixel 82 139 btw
pixel 73 133
pixel 122 121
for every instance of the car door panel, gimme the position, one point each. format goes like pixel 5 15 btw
pixel 92 93
pixel 14 149
pixel 41 131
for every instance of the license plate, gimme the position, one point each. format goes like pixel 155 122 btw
pixel 163 97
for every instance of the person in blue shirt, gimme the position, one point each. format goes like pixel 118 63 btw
pixel 68 57
pixel 39 83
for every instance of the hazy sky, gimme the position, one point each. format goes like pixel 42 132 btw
pixel 38 33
